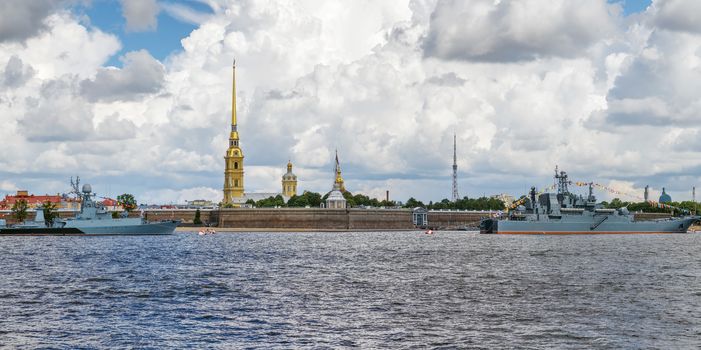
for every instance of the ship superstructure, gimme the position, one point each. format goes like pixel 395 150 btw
pixel 563 212
pixel 93 219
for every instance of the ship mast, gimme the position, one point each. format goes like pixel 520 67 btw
pixel 562 181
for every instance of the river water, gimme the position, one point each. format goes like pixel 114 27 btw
pixel 337 290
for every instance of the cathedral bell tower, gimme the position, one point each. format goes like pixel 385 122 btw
pixel 289 182
pixel 233 170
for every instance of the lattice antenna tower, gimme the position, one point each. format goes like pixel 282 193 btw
pixel 456 196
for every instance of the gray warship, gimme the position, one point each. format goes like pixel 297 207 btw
pixel 93 219
pixel 566 213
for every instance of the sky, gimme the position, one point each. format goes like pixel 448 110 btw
pixel 134 95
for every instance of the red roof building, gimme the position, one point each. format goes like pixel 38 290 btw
pixel 32 200
pixel 112 204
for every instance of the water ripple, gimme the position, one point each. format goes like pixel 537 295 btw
pixel 348 290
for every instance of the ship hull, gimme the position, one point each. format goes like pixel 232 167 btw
pixel 154 228
pixel 492 226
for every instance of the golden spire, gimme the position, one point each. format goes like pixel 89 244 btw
pixel 233 160
pixel 234 132
pixel 339 178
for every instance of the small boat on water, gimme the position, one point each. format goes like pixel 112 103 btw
pixel 566 213
pixel 207 231
pixel 93 219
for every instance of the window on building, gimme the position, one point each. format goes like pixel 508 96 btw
pixel 236 183
pixel 236 165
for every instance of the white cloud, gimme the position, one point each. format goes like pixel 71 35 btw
pixel 185 13
pixel 57 114
pixel 678 15
pixel 65 47
pixel 16 72
pixel 487 30
pixel 7 186
pixel 656 86
pixel 604 98
pixel 169 196
pixel 141 15
pixel 21 19
pixel 142 74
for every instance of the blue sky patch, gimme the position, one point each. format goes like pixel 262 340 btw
pixel 633 6
pixel 107 16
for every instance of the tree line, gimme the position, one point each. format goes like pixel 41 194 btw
pixel 314 200
pixel 465 203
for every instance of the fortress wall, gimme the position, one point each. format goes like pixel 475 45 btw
pixel 380 219
pixel 315 219
pixel 187 216
pixel 456 219
pixel 284 218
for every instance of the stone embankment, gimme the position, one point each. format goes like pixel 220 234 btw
pixel 313 219
pixel 318 219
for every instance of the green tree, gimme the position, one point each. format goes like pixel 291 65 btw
pixel 617 203
pixel 127 201
pixel 350 201
pixel 271 202
pixel 297 202
pixel 386 203
pixel 690 206
pixel 482 203
pixel 50 212
pixel 197 220
pixel 413 203
pixel 311 199
pixel 19 210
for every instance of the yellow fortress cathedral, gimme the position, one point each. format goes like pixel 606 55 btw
pixel 234 194
pixel 233 170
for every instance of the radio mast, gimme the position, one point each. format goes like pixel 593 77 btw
pixel 455 170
